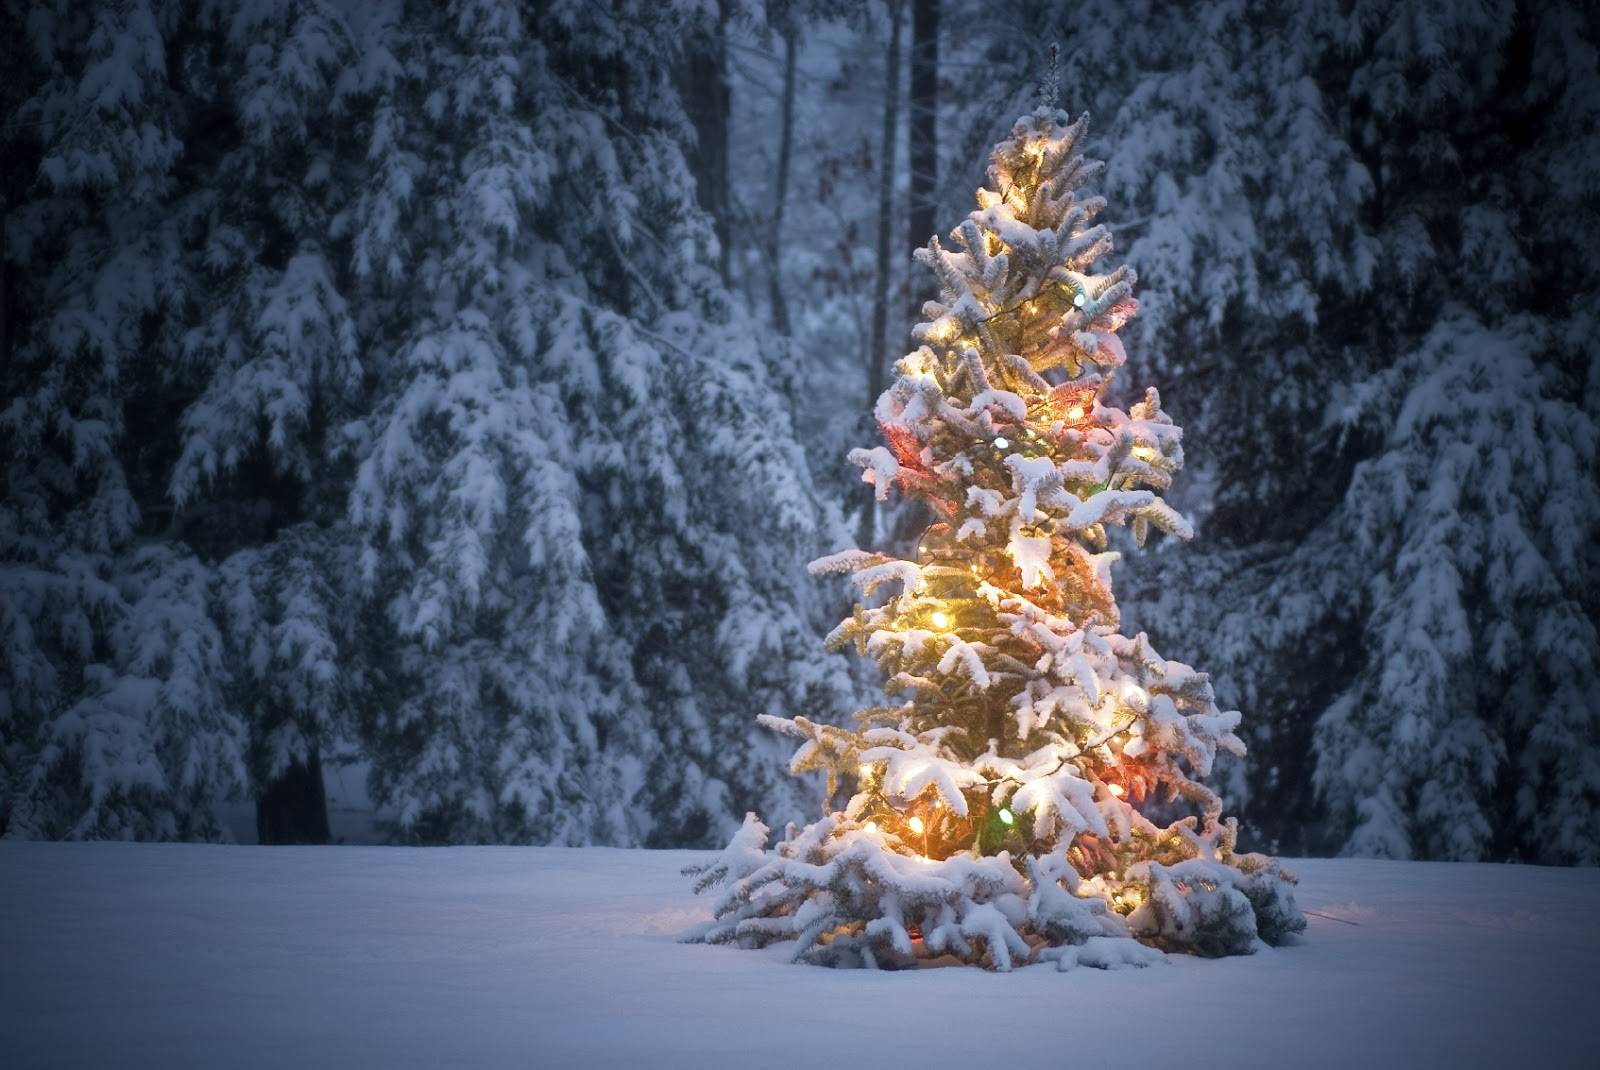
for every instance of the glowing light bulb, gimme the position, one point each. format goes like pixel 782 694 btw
pixel 916 825
pixel 1075 413
pixel 871 826
pixel 1007 817
pixel 1115 789
pixel 1030 433
pixel 1001 443
pixel 1079 300
pixel 866 769
pixel 939 619
pixel 1145 453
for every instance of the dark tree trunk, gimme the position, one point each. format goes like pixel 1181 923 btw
pixel 294 807
pixel 780 303
pixel 923 122
pixel 877 348
pixel 707 100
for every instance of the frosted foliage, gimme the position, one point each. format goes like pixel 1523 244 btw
pixel 288 633
pixel 149 740
pixel 1483 496
pixel 1005 808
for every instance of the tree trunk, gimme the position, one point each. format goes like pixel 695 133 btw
pixel 877 348
pixel 294 807
pixel 780 304
pixel 707 101
pixel 923 122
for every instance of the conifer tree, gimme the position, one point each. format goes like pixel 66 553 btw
pixel 1037 789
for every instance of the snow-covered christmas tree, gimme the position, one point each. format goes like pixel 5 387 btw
pixel 1035 792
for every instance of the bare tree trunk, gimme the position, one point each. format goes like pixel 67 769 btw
pixel 780 304
pixel 877 348
pixel 293 808
pixel 707 100
pixel 923 122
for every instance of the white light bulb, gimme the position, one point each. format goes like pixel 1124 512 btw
pixel 1001 443
pixel 916 825
pixel 940 620
pixel 1079 299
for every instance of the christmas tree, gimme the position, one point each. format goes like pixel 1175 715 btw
pixel 1035 791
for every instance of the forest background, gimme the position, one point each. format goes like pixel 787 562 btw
pixel 439 403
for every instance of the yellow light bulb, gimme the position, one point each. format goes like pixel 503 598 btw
pixel 866 770
pixel 871 826
pixel 1075 413
pixel 939 619
pixel 1115 789
pixel 916 825
pixel 1145 453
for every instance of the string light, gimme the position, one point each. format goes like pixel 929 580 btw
pixel 1145 453
pixel 1115 789
pixel 940 619
pixel 866 770
pixel 871 826
pixel 1079 299
pixel 1075 413
pixel 1006 816
pixel 1001 443
pixel 916 825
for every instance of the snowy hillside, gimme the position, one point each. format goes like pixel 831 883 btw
pixel 157 955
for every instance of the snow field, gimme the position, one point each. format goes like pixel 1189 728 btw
pixel 120 955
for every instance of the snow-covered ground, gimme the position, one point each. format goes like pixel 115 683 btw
pixel 117 955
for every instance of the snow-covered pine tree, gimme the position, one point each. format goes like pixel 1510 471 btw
pixel 1039 792
pixel 111 699
pixel 564 494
